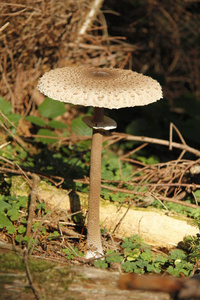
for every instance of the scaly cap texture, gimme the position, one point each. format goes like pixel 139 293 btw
pixel 100 87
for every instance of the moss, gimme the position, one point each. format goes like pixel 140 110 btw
pixel 52 278
pixel 11 261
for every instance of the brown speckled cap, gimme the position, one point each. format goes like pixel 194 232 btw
pixel 100 87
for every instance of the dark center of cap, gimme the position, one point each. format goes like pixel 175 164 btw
pixel 100 74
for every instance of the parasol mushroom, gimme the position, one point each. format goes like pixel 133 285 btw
pixel 100 88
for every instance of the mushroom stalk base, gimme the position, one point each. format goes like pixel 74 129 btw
pixel 94 244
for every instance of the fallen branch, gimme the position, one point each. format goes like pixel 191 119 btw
pixel 147 194
pixel 145 139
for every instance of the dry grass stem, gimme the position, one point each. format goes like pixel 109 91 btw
pixel 32 204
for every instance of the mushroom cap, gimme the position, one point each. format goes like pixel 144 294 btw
pixel 99 87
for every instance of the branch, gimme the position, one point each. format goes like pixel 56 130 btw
pixel 149 193
pixel 130 137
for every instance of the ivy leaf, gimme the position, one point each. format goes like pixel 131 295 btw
pixel 36 120
pixel 46 133
pixel 14 118
pixel 57 124
pixel 80 128
pixel 51 108
pixel 6 223
pixel 5 106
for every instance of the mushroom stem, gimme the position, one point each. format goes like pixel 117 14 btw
pixel 93 229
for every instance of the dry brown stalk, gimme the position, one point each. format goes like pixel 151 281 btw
pixel 32 204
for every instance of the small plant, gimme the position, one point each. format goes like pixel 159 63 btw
pixel 10 211
pixel 179 263
pixel 137 257
pixel 72 252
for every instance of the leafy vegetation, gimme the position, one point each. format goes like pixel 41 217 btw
pixel 136 256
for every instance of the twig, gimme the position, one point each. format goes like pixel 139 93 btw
pixel 32 286
pixel 90 17
pixel 22 171
pixel 4 26
pixel 33 197
pixel 4 145
pixel 120 221
pixel 67 231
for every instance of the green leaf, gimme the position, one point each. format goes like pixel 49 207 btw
pixel 6 223
pixel 46 133
pixel 23 201
pixel 21 229
pixel 113 257
pixel 100 263
pixel 41 205
pixel 147 256
pixel 177 254
pixel 128 266
pixel 132 255
pixel 57 124
pixel 197 194
pixel 13 213
pixel 72 252
pixel 127 243
pixel 36 120
pixel 160 259
pixel 5 106
pixel 80 128
pixel 141 263
pixel 14 118
pixel 68 253
pixel 4 205
pixel 51 108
